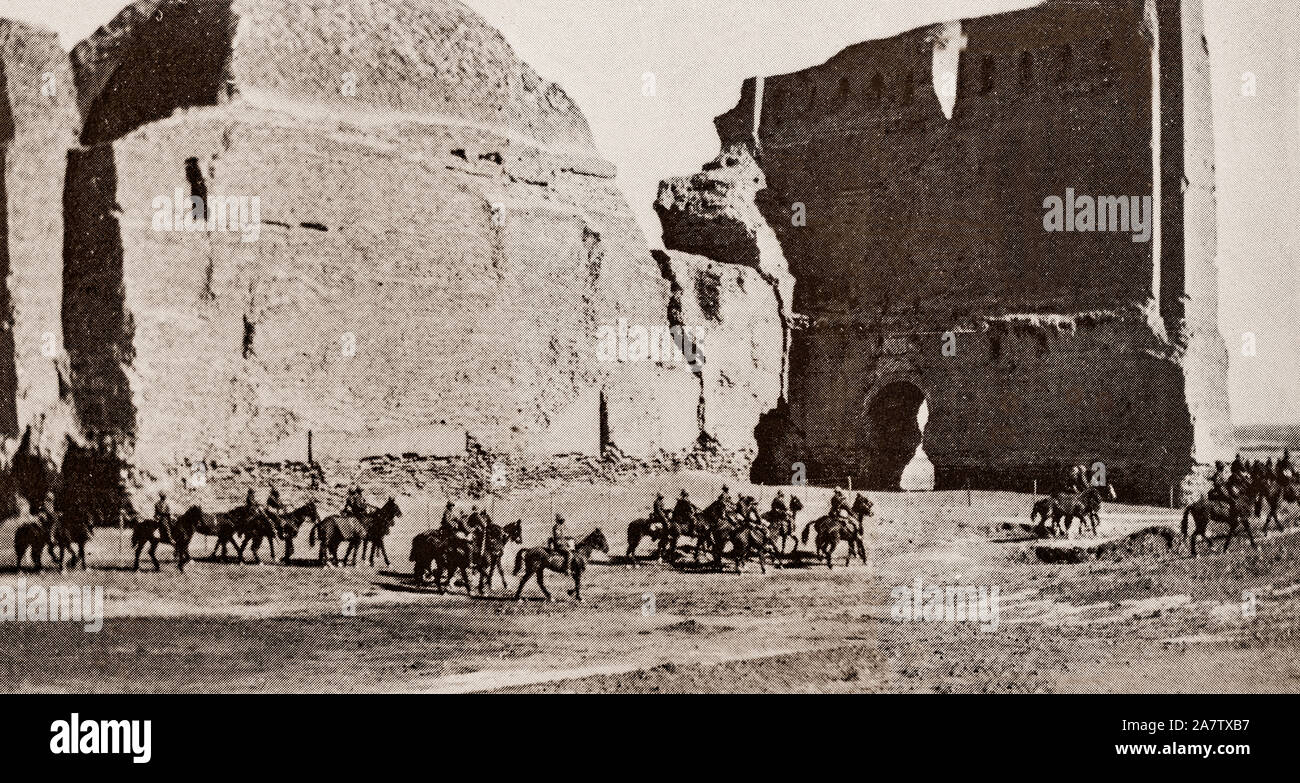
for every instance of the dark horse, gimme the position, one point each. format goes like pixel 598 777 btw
pixel 663 533
pixel 379 523
pixel 176 532
pixel 746 534
pixel 71 530
pixel 830 532
pixel 537 560
pixel 490 546
pixel 334 530
pixel 1269 490
pixel 291 522
pixel 31 536
pixel 1235 511
pixel 783 526
pixel 1085 505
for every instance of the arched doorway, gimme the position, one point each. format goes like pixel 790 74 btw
pixel 896 418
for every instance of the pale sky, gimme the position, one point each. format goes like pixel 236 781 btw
pixel 700 52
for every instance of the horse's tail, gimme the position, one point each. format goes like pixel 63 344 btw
pixel 519 561
pixel 1186 513
pixel 311 539
pixel 806 528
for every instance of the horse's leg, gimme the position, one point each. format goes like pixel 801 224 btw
pixel 577 584
pixel 463 575
pixel 1232 529
pixel 541 582
pixel 139 548
pixel 153 555
pixel 1251 536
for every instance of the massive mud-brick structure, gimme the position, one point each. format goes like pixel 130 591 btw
pixel 925 229
pixel 438 248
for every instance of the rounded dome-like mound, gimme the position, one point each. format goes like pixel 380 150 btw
pixel 391 59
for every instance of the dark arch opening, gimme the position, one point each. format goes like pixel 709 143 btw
pixel 893 434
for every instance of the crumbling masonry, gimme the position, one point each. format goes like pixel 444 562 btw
pixel 440 244
pixel 925 230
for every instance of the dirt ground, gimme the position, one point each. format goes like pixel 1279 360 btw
pixel 1121 613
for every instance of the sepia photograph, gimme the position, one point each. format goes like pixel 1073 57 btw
pixel 649 346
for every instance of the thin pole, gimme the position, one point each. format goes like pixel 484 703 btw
pixel 1035 487
pixel 850 479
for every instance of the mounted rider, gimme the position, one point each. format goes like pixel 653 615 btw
pixel 561 542
pixel 355 504
pixel 1238 467
pixel 659 514
pixel 725 501
pixel 779 509
pixel 162 513
pixel 839 504
pixel 273 502
pixel 448 517
pixel 1220 490
pixel 251 507
pixel 1285 470
pixel 683 510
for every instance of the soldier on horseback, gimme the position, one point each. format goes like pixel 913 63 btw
pixel 778 505
pixel 1219 490
pixel 724 499
pixel 447 517
pixel 839 504
pixel 355 504
pixel 683 510
pixel 659 514
pixel 561 542
pixel 1284 468
pixel 162 513
pixel 273 502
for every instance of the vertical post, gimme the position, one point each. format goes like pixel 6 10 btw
pixel 850 482
pixel 309 454
pixel 1171 495
pixel 1035 488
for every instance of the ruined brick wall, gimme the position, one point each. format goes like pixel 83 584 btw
pixel 1070 347
pixel 451 219
pixel 38 124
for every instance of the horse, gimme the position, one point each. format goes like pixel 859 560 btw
pixel 1268 490
pixel 221 525
pixel 664 534
pixel 176 532
pixel 1045 511
pixel 489 547
pixel 255 527
pixel 1235 511
pixel 1085 505
pixel 747 536
pixel 291 522
pixel 831 531
pixel 334 530
pixel 783 526
pixel 71 530
pixel 860 511
pixel 377 524
pixel 452 551
pixel 31 536
pixel 537 559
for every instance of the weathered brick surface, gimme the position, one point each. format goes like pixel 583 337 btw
pixel 453 217
pixel 1072 347
pixel 38 125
